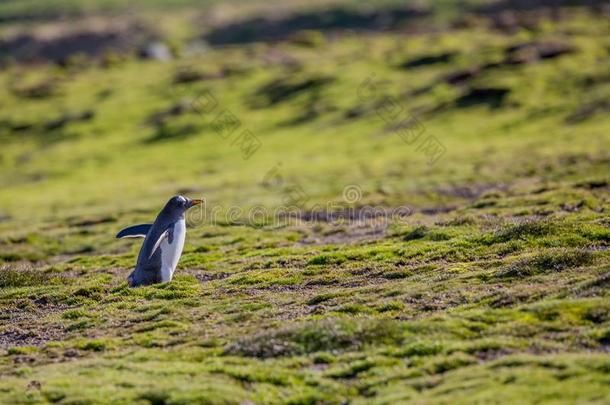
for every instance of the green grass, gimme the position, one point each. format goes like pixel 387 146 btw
pixel 493 290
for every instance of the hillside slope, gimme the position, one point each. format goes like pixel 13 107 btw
pixel 390 217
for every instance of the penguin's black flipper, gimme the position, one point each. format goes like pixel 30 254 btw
pixel 136 231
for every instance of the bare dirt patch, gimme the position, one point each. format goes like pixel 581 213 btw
pixel 20 327
pixel 62 44
pixel 344 235
pixel 511 15
pixel 263 28
pixel 471 192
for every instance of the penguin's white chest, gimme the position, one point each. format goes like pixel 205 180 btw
pixel 171 251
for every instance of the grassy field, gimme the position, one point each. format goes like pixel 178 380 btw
pixel 493 289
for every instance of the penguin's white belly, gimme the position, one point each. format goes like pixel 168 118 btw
pixel 171 252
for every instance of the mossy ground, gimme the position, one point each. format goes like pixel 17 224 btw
pixel 493 290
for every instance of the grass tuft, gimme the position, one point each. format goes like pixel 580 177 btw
pixel 551 261
pixel 325 335
pixel 21 278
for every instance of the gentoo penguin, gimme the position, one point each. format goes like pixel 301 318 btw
pixel 163 243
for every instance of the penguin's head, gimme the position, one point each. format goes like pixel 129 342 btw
pixel 177 205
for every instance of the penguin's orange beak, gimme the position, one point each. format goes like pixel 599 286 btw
pixel 196 202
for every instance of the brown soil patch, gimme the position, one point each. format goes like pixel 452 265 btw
pixel 263 28
pixel 20 327
pixel 60 45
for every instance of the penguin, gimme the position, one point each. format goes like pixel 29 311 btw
pixel 163 243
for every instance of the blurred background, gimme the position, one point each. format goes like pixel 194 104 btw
pixel 109 107
pixel 486 121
